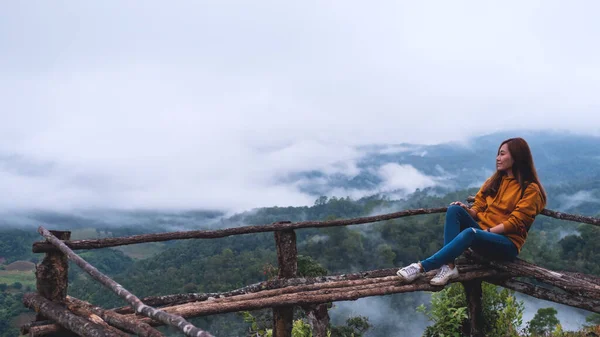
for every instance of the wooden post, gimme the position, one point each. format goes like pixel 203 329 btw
pixel 474 307
pixel 318 318
pixel 173 320
pixel 52 275
pixel 287 254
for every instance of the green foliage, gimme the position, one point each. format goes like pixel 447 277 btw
pixel 229 263
pixel 448 313
pixel 581 252
pixel 10 307
pixel 16 244
pixel 502 313
pixel 543 323
pixel 355 327
pixel 308 267
pixel 592 320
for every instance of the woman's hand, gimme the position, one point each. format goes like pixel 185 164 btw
pixel 471 212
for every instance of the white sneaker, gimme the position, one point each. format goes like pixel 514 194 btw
pixel 444 275
pixel 410 272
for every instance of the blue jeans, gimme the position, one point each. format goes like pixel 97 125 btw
pixel 461 231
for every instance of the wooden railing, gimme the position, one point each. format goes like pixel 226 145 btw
pixel 51 301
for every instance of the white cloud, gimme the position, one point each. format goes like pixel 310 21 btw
pixel 576 199
pixel 403 177
pixel 206 105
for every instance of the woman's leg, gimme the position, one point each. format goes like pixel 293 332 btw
pixel 485 242
pixel 457 219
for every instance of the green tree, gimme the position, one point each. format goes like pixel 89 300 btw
pixel 502 313
pixel 543 323
pixel 355 327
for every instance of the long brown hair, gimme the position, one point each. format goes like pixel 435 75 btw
pixel 523 169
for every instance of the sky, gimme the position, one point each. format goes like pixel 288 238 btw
pixel 207 104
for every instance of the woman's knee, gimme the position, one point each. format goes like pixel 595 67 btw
pixel 454 209
pixel 469 233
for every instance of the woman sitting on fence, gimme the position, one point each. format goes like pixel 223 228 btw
pixel 496 225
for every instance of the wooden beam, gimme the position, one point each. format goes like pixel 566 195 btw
pixel 50 330
pixel 549 294
pixel 64 317
pixel 122 322
pixel 287 259
pixel 41 247
pixel 47 327
pixel 377 287
pixel 574 285
pixel 175 321
pixel 318 282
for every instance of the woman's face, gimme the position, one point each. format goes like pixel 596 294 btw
pixel 504 160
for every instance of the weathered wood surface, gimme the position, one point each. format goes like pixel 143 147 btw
pixel 574 285
pixel 79 307
pixel 287 261
pixel 117 320
pixel 175 299
pixel 175 321
pixel 42 328
pixel 473 293
pixel 52 274
pixel 318 319
pixel 346 291
pixel 549 294
pixel 67 319
pixel 320 281
pixel 40 247
pixel 313 291
pixel 50 330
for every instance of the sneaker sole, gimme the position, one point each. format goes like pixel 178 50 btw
pixel 433 283
pixel 407 280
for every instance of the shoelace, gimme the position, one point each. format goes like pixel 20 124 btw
pixel 443 272
pixel 412 270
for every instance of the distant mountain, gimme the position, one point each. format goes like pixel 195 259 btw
pixel 568 165
pixel 560 158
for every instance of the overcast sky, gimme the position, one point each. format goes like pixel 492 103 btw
pixel 204 104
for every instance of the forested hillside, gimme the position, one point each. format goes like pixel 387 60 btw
pixel 229 263
pixel 568 167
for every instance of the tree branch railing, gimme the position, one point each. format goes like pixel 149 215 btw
pixel 287 291
pixel 42 247
pixel 316 290
pixel 173 320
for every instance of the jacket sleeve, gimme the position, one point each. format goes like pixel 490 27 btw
pixel 480 204
pixel 530 205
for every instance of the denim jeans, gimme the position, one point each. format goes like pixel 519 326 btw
pixel 461 231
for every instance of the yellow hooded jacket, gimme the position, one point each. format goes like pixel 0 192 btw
pixel 509 208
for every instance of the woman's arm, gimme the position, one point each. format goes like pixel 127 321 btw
pixel 498 229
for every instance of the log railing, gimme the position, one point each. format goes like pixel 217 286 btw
pixel 281 294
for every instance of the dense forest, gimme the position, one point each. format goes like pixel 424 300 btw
pixel 229 263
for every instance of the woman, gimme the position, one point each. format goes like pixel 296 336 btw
pixel 497 224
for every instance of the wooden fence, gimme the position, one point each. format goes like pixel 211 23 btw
pixel 59 314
